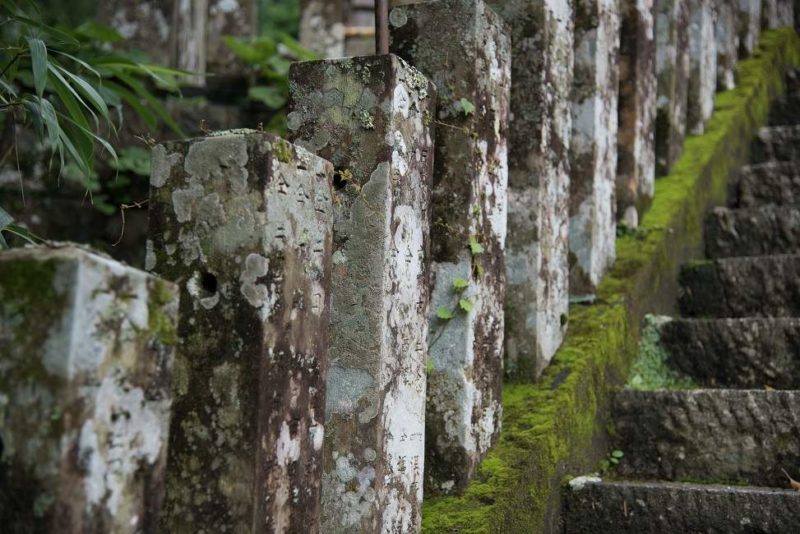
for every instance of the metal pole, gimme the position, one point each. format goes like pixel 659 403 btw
pixel 382 26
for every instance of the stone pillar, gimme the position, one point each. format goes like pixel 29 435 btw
pixel 242 220
pixel 593 146
pixel 703 64
pixel 672 71
pixel 748 18
pixel 727 44
pixel 373 118
pixel 777 13
pixel 189 38
pixel 537 266
pixel 87 351
pixel 463 48
pixel 636 142
pixel 322 26
pixel 237 18
pixel 145 24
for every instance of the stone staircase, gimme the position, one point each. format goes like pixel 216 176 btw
pixel 712 459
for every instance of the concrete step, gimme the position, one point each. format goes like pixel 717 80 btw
pixel 761 286
pixel 720 435
pixel 738 353
pixel 777 143
pixel 773 182
pixel 754 231
pixel 593 506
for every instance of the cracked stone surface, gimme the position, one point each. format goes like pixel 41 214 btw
pixel 741 287
pixel 659 507
pixel 242 220
pixel 469 199
pixel 593 145
pixel 702 64
pixel 537 264
pixel 741 353
pixel 777 143
pixel 741 436
pixel 636 161
pixel 672 71
pixel 755 231
pixel 87 350
pixel 373 118
pixel 772 182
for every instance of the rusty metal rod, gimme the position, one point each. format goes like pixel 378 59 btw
pixel 382 26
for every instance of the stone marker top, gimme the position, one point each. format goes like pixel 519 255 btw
pixel 377 91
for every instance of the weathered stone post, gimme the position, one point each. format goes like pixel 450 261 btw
pixel 373 118
pixel 727 41
pixel 703 64
pixel 672 71
pixel 462 46
pixel 242 220
pixel 593 147
pixel 189 35
pixel 238 18
pixel 537 265
pixel 748 18
pixel 777 13
pixel 145 26
pixel 87 351
pixel 322 26
pixel 636 141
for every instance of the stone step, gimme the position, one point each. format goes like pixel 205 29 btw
pixel 754 231
pixel 773 182
pixel 740 353
pixel 593 506
pixel 762 286
pixel 777 143
pixel 719 435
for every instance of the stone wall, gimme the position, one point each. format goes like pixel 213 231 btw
pixel 351 302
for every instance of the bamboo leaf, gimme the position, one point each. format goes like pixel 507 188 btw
pixel 153 102
pixel 86 89
pixel 5 221
pixel 38 64
pixel 69 97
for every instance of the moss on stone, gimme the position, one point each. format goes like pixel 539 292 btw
pixel 160 325
pixel 551 428
pixel 283 151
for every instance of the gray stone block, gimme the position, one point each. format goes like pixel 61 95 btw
pixel 242 220
pixel 373 118
pixel 593 145
pixel 672 71
pixel 741 436
pixel 756 231
pixel 618 507
pixel 537 251
pixel 636 138
pixel 772 182
pixel 727 44
pixel 765 286
pixel 738 353
pixel 469 199
pixel 702 64
pixel 87 349
pixel 777 143
pixel 749 25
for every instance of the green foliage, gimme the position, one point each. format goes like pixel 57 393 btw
pixel 612 460
pixel 460 284
pixel 66 85
pixel 474 246
pixel 279 16
pixel 466 107
pixel 444 313
pixel 7 226
pixel 270 57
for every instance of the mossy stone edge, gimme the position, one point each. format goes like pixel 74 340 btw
pixel 557 426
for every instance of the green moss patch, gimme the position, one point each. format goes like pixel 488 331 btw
pixel 557 426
